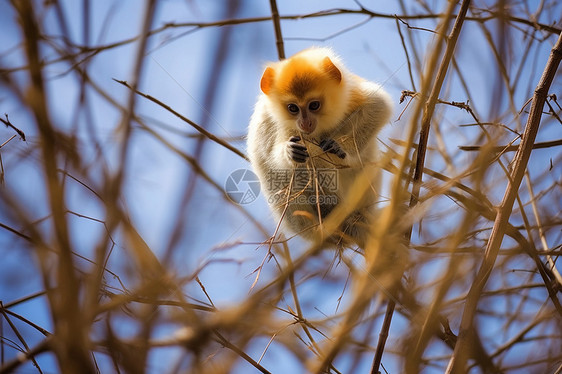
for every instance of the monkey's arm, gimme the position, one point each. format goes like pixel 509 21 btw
pixel 269 148
pixel 331 146
pixel 362 125
pixel 296 151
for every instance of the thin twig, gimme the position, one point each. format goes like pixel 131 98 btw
pixel 511 148
pixel 10 366
pixel 221 339
pixel 542 236
pixel 9 124
pixel 186 120
pixel 405 48
pixel 277 26
pixel 19 336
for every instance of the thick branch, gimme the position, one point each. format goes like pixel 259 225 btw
pixel 277 24
pixel 458 360
pixel 424 135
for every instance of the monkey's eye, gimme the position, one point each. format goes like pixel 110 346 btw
pixel 293 108
pixel 314 105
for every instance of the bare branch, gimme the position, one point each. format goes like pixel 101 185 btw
pixel 459 358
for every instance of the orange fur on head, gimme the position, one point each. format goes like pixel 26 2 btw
pixel 312 74
pixel 298 75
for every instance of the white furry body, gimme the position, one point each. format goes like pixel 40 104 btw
pixel 368 109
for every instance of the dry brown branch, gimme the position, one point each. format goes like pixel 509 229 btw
pixel 420 160
pixel 514 147
pixel 186 120
pixel 277 27
pixel 86 52
pixel 69 344
pixel 12 365
pixel 9 124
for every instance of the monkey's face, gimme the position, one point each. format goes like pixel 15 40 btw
pixel 305 114
pixel 315 112
pixel 305 94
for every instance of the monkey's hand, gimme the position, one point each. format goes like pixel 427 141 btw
pixel 331 146
pixel 297 152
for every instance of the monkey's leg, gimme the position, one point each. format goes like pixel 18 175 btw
pixel 356 226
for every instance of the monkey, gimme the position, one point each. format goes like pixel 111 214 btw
pixel 312 132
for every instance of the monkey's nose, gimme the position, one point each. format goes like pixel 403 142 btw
pixel 307 126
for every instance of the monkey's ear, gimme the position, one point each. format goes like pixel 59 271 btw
pixel 266 82
pixel 331 69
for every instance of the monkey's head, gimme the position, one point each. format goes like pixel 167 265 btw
pixel 306 91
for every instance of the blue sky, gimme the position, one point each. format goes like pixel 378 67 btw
pixel 178 71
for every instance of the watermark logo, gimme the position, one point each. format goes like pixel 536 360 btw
pixel 307 186
pixel 303 179
pixel 303 199
pixel 242 186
